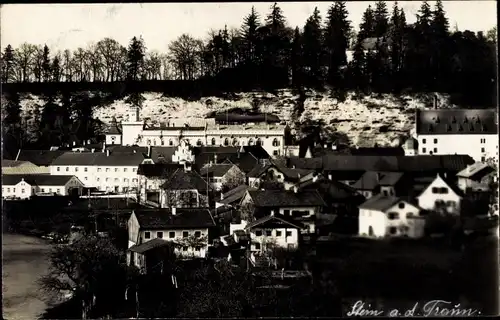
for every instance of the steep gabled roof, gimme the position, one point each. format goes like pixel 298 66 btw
pixel 185 180
pixel 36 179
pixel 380 202
pixel 155 219
pixel 216 170
pixel 234 195
pixel 476 171
pixel 329 189
pixel 98 159
pixel 371 179
pixel 39 157
pixel 277 217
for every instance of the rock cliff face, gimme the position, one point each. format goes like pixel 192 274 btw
pixel 366 121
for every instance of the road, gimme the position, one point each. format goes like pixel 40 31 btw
pixel 24 261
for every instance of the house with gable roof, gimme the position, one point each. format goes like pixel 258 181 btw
pixel 442 194
pixel 388 216
pixel 185 188
pixel 386 183
pixel 476 177
pixel 25 186
pixel 223 175
pixel 274 172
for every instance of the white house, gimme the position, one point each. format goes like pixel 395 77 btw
pixel 106 171
pixel 25 186
pixel 199 132
pixel 441 194
pixel 220 175
pixel 272 231
pixel 188 229
pixel 476 177
pixel 438 130
pixel 388 216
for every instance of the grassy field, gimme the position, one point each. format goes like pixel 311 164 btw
pixel 24 261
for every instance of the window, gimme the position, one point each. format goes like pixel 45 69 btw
pixel 286 212
pixel 107 179
pixel 409 215
pixel 393 230
pixel 147 235
pixel 58 169
pixel 435 140
pixel 257 246
pixel 401 205
pixel 198 143
pixel 76 169
pixel 125 179
pixel 483 140
pixel 116 179
pixel 443 190
pixel 435 150
pixel 170 143
pixel 393 215
pixel 67 169
pixel 22 190
pixel 196 248
pixel 124 169
pixel 451 204
pixel 97 179
pixel 275 152
pixel 276 143
pixel 43 189
pixel 258 233
pixel 269 233
pixel 184 248
pixel 162 142
pixel 424 141
pixel 250 142
pixel 58 190
pixel 435 190
pixel 159 234
pixel 424 150
pixel 107 169
pixel 213 141
pixel 258 142
pixel 483 159
pixel 134 169
pixel 8 189
pixel 197 234
pixel 134 180
pixel 171 234
pixel 226 142
pixel 278 233
pixel 85 169
pixel 482 150
pixel 85 178
pixel 99 169
pixel 116 169
pixel 185 234
pixel 385 193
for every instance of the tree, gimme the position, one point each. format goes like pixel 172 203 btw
pixel 46 67
pixel 296 59
pixel 90 267
pixel 397 33
pixel 8 65
pixel 249 34
pixel 56 69
pixel 381 19
pixel 367 26
pixel 184 52
pixel 25 56
pixel 13 132
pixel 312 47
pixel 95 62
pixel 337 41
pixel 135 59
pixel 440 46
pixel 110 51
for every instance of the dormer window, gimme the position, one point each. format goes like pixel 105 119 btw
pixel 431 128
pixel 471 127
pixel 453 119
pixel 466 120
pixel 437 120
pixel 478 120
pixel 448 127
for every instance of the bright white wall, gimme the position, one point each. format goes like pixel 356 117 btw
pixel 471 144
pixel 427 200
pixel 280 240
pixel 178 235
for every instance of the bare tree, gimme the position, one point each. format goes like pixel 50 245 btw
pixel 67 66
pixel 152 66
pixel 165 67
pixel 95 62
pixel 110 51
pixel 25 56
pixel 184 55
pixel 38 63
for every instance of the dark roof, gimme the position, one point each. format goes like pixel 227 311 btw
pixel 476 171
pixel 184 218
pixel 148 245
pixel 36 179
pixel 244 160
pixel 329 189
pixel 377 151
pixel 185 180
pixel 114 128
pixel 99 159
pixel 276 217
pixel 127 149
pixel 380 202
pixel 282 198
pixel 371 179
pixel 162 154
pixel 13 163
pixel 158 170
pixel 456 121
pixel 241 118
pixel 234 195
pixel 216 170
pixel 289 173
pixel 384 163
pixel 102 204
pixel 39 157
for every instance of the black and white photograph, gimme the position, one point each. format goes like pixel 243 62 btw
pixel 249 160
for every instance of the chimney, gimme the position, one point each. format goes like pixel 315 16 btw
pixel 295 189
pixel 135 151
pixel 330 176
pixel 272 212
pixel 334 146
pixel 325 146
pixel 88 141
pixel 379 176
pixel 149 151
pixel 74 143
pixel 107 153
pixel 93 150
pixel 174 211
pixel 298 175
pixel 84 142
pixel 315 178
pixel 221 196
pixel 215 158
pixel 435 102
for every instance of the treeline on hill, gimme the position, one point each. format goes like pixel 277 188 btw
pixel 386 55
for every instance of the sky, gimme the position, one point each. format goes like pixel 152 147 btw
pixel 69 26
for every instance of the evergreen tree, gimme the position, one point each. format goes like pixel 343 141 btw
pixel 12 129
pixel 56 69
pixel 135 59
pixel 249 33
pixel 296 58
pixel 8 64
pixel 357 68
pixel 367 26
pixel 397 31
pixel 337 41
pixel 48 134
pixel 440 46
pixel 46 67
pixel 381 19
pixel 312 47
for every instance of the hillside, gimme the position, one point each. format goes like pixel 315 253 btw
pixel 365 121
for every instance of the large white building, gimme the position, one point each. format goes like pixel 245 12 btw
pixel 458 131
pixel 196 132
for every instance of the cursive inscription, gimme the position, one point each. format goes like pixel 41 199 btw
pixel 360 309
pixel 442 308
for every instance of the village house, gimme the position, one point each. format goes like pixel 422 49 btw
pixel 22 167
pixel 386 183
pixel 233 197
pixel 152 176
pixel 245 157
pixel 274 172
pixel 154 256
pixel 302 206
pixel 223 177
pixel 189 230
pixel 26 186
pixel 476 177
pixel 442 195
pixel 105 171
pixel 185 188
pixel 388 216
pixel 438 130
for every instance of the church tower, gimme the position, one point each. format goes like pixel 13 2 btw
pixel 132 127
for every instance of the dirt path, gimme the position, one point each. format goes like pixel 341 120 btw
pixel 24 261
